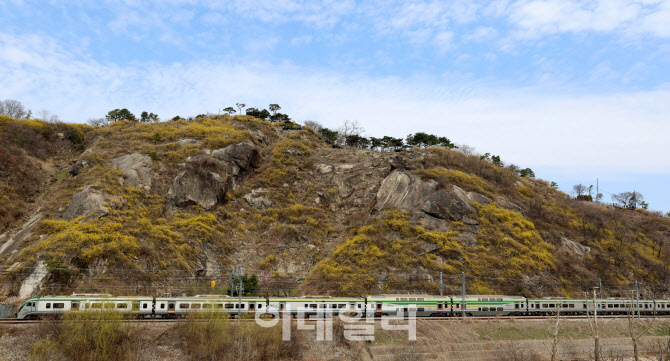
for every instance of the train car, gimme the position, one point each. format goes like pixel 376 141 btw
pixel 57 305
pixel 444 306
pixel 311 306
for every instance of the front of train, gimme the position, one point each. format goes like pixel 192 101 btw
pixel 26 309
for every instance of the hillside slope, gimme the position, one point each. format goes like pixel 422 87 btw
pixel 169 207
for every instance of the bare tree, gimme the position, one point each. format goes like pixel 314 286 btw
pixel 349 128
pixel 631 327
pixel 48 117
pixel 316 126
pixel 466 149
pixel 594 327
pixel 628 199
pixel 554 344
pixel 97 122
pixel 240 106
pixel 579 189
pixel 12 108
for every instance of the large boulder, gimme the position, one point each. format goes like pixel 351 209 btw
pixel 78 167
pixel 241 157
pixel 86 202
pixel 574 248
pixel 257 199
pixel 403 190
pixel 12 240
pixel 198 186
pixel 207 178
pixel 433 207
pixel 136 169
pixel 446 205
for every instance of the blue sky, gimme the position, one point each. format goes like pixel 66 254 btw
pixel 576 90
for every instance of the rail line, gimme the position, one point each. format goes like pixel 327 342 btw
pixel 13 321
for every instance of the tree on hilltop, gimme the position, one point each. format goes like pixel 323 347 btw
pixel 13 108
pixel 628 199
pixel 148 117
pixel 240 106
pixel 229 110
pixel 274 108
pixel 120 114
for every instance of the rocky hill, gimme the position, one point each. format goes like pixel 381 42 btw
pixel 137 208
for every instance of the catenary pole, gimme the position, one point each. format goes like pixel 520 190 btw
pixel 441 286
pixel 463 305
pixel 637 296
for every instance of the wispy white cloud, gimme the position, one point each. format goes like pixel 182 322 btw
pixel 531 126
pixel 535 18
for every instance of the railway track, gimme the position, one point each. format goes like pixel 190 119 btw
pixel 13 321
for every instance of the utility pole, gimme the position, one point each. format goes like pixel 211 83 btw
pixel 600 288
pixel 238 274
pixel 595 321
pixel 441 286
pixel 463 295
pixel 637 296
pixel 232 282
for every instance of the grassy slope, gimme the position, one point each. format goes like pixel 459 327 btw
pixel 354 253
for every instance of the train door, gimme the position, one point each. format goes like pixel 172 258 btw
pixel 74 306
pixel 171 307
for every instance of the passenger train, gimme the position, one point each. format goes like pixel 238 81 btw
pixel 381 305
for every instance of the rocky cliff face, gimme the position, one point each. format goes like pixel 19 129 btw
pixel 153 216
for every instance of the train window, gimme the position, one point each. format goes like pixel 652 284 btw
pixel 242 306
pixel 218 305
pixel 48 305
pixel 207 305
pixel 500 308
pixel 184 305
pixel 229 305
pixel 96 305
pixel 75 305
pixel 420 299
pixel 162 306
pixel 323 305
pixel 341 305
pixel 544 305
pixel 572 305
pixel 420 309
pixel 439 305
pixel 359 305
pixel 121 305
pixel 403 300
pixel 412 300
pixel 551 305
pixel 195 305
pixel 109 305
pixel 59 305
pixel 306 305
pixel 145 305
pixel 485 309
pixel 313 305
pixel 500 299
